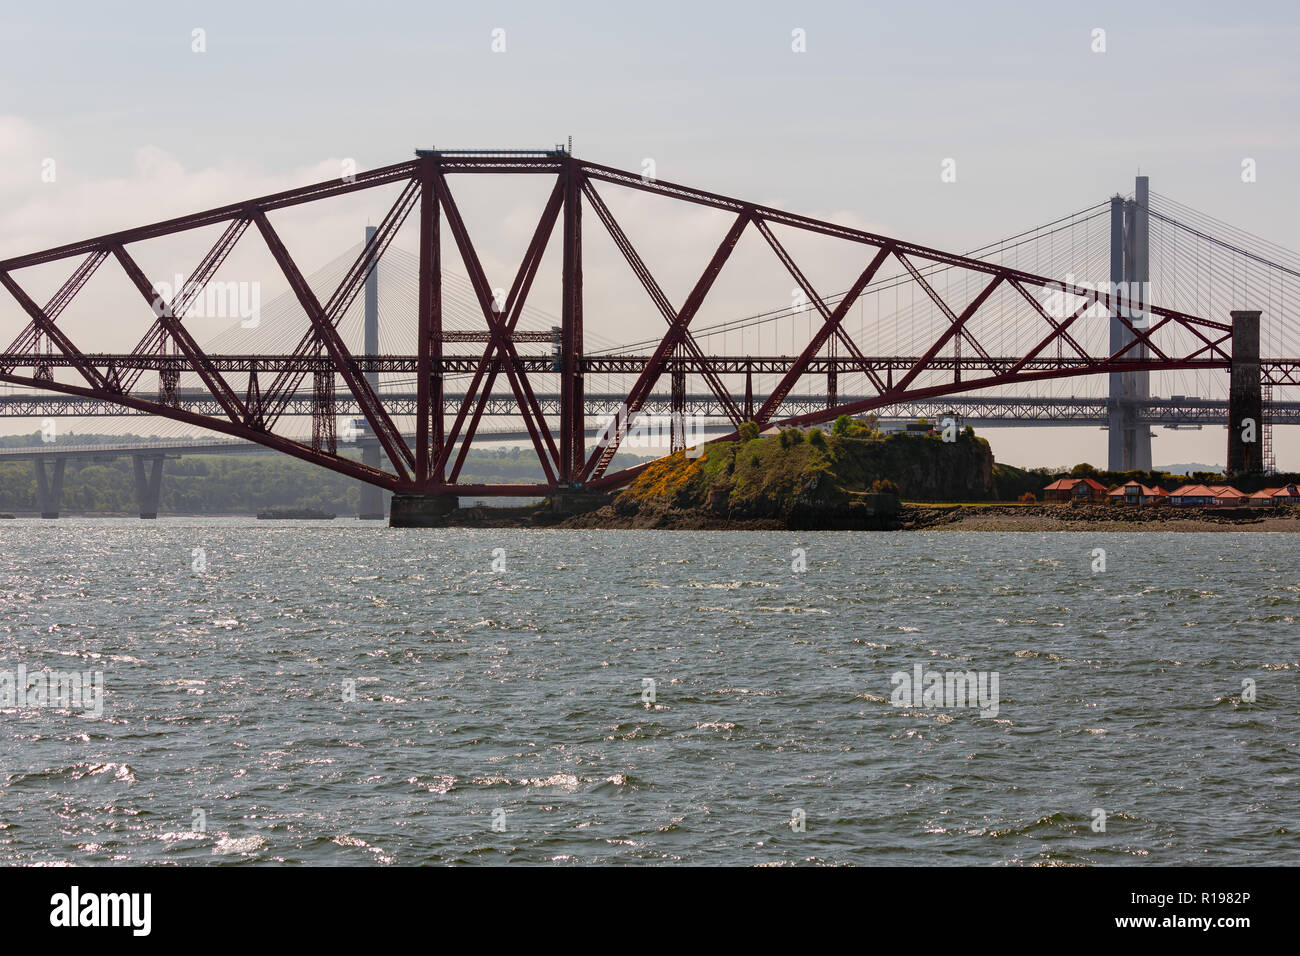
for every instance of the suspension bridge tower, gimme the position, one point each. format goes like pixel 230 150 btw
pixel 372 497
pixel 1130 274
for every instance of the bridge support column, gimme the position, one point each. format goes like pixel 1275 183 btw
pixel 573 428
pixel 1245 398
pixel 1129 444
pixel 677 413
pixel 421 511
pixel 49 492
pixel 1115 425
pixel 372 497
pixel 148 483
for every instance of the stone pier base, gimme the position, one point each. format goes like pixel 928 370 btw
pixel 421 511
pixel 576 502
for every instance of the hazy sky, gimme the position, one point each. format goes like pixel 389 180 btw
pixel 142 127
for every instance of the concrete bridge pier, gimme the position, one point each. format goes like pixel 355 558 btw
pixel 372 497
pixel 148 483
pixel 421 511
pixel 49 491
pixel 1245 398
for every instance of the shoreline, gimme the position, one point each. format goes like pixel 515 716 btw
pixel 972 517
pixel 938 516
pixel 1040 518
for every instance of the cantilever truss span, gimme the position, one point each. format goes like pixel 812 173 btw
pixel 251 392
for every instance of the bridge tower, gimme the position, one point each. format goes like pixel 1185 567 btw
pixel 1245 397
pixel 372 497
pixel 1130 272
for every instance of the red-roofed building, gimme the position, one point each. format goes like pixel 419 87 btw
pixel 1227 496
pixel 1191 496
pixel 1134 493
pixel 1074 489
pixel 1201 496
pixel 1290 495
pixel 1059 490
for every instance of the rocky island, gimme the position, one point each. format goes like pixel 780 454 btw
pixel 853 477
pixel 849 478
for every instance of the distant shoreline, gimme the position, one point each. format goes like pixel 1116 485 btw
pixel 1099 518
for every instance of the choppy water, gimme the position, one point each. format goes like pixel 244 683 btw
pixel 517 698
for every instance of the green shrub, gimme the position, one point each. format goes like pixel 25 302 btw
pixel 817 438
pixel 748 431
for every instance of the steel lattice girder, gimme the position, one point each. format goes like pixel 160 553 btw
pixel 1087 411
pixel 168 348
pixel 1274 371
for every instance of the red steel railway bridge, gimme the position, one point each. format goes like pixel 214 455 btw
pixel 996 325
